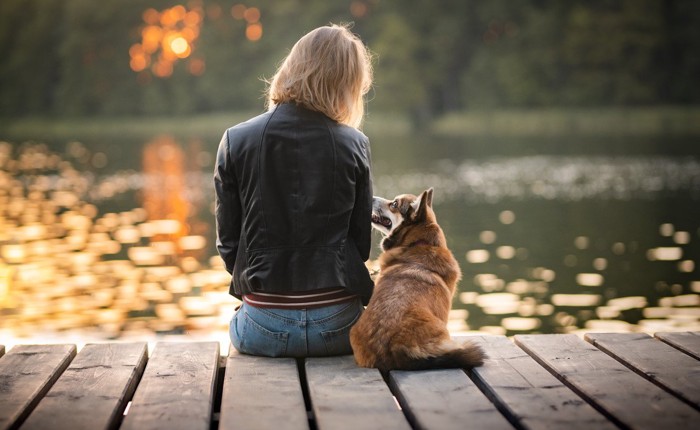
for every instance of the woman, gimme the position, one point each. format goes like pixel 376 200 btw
pixel 294 202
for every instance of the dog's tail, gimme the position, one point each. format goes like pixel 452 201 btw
pixel 445 355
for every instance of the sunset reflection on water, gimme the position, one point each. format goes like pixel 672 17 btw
pixel 127 254
pixel 68 266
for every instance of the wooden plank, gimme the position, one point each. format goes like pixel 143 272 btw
pixel 177 388
pixel 2 350
pixel 662 364
pixel 345 396
pixel 93 392
pixel 527 393
pixel 262 393
pixel 26 374
pixel 444 399
pixel 688 342
pixel 622 395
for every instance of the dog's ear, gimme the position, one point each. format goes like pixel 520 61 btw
pixel 420 205
pixel 428 197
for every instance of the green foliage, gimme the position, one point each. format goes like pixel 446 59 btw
pixel 71 58
pixel 28 70
pixel 94 74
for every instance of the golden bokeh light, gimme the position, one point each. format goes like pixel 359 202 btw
pixel 254 32
pixel 238 11
pixel 167 36
pixel 192 19
pixel 136 50
pixel 162 68
pixel 358 9
pixel 252 15
pixel 151 37
pixel 180 47
pixel 138 63
pixel 151 16
pixel 190 33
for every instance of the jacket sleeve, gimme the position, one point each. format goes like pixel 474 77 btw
pixel 227 206
pixel 361 221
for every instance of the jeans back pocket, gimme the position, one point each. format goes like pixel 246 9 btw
pixel 337 340
pixel 255 339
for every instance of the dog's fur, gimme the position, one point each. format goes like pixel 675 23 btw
pixel 404 325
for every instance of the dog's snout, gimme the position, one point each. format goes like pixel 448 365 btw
pixel 379 201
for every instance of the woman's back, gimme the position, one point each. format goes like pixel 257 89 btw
pixel 305 192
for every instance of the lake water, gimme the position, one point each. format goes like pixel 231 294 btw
pixel 553 235
pixel 563 234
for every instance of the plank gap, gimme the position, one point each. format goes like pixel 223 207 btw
pixel 218 392
pixel 301 368
pixel 513 419
pixel 686 342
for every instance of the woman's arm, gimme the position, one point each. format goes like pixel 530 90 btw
pixel 227 206
pixel 361 221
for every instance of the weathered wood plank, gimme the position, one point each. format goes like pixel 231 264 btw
pixel 622 395
pixel 177 388
pixel 688 342
pixel 444 399
pixel 94 390
pixel 262 393
pixel 662 364
pixel 26 374
pixel 527 393
pixel 345 396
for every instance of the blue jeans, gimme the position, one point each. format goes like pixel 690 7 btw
pixel 294 332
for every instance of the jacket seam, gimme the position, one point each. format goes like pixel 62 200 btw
pixel 260 145
pixel 335 173
pixel 230 166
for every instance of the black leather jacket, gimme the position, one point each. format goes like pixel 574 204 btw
pixel 294 203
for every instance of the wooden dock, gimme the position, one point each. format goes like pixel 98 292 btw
pixel 606 381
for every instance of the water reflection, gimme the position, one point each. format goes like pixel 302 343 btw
pixel 539 251
pixel 70 266
pixel 563 178
pixel 164 186
pixel 587 289
pixel 568 243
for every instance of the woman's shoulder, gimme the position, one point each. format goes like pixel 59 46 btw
pixel 250 124
pixel 350 134
pixel 352 142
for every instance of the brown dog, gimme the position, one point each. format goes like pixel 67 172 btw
pixel 404 325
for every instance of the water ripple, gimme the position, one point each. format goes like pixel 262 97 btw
pixel 551 178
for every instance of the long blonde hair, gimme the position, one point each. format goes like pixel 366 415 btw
pixel 328 70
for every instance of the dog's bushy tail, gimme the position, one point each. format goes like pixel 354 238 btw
pixel 448 355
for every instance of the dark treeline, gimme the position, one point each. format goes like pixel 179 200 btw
pixel 72 57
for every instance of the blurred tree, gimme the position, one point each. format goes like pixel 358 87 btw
pixel 94 71
pixel 609 51
pixel 680 57
pixel 72 57
pixel 29 36
pixel 397 44
pixel 518 60
pixel 423 47
pixel 570 54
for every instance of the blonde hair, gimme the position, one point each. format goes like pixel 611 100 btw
pixel 328 70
